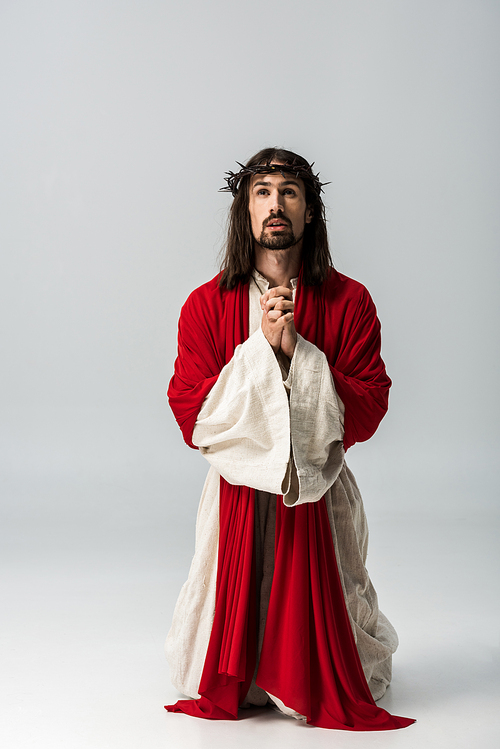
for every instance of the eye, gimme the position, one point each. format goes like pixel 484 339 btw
pixel 262 191
pixel 288 191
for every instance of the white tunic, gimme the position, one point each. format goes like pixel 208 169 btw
pixel 280 433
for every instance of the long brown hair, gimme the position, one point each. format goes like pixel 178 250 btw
pixel 238 251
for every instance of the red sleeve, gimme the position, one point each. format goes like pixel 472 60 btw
pixel 212 323
pixel 196 368
pixel 359 372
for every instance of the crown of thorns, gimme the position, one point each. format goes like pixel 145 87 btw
pixel 304 171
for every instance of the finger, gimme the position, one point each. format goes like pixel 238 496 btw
pixel 284 305
pixel 280 291
pixel 264 298
pixel 274 315
pixel 272 302
pixel 282 321
pixel 276 291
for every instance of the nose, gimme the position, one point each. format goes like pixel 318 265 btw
pixel 276 202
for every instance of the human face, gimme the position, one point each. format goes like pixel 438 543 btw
pixel 278 210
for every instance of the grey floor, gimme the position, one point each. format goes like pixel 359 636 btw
pixel 90 596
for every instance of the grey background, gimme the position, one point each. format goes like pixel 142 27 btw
pixel 119 120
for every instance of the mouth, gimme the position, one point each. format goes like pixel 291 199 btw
pixel 276 224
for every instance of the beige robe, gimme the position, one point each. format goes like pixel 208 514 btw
pixel 279 432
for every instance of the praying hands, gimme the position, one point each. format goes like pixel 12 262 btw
pixel 277 320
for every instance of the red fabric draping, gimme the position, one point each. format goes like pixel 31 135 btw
pixel 309 657
pixel 231 656
pixel 212 323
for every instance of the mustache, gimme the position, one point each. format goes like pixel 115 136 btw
pixel 274 217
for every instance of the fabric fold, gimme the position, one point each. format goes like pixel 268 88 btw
pixel 243 427
pixel 308 638
pixel 231 655
pixel 316 425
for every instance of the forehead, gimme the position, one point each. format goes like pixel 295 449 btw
pixel 276 179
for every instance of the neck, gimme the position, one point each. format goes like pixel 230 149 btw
pixel 278 266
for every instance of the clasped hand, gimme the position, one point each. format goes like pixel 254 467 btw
pixel 277 320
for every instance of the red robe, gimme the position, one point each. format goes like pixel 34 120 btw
pixel 309 657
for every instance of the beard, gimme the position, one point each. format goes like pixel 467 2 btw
pixel 280 240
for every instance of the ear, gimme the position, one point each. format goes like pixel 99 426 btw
pixel 309 214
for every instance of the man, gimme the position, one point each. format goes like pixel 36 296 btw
pixel 278 373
